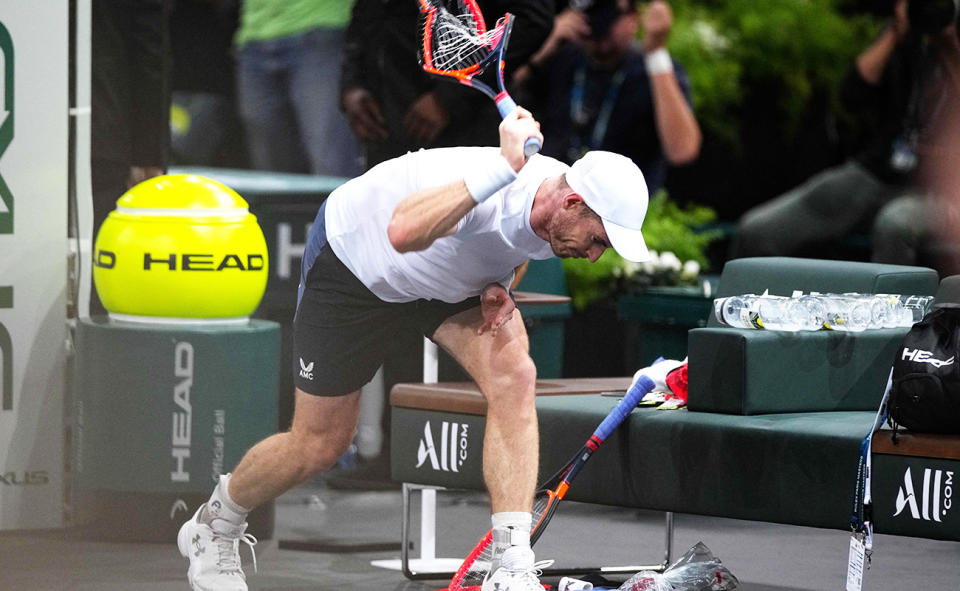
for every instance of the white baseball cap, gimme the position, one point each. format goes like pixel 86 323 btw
pixel 613 186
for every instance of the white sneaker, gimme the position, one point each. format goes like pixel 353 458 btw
pixel 516 572
pixel 214 557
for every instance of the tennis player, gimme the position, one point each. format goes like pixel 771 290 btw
pixel 427 242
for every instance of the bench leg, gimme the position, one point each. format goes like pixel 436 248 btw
pixel 430 567
pixel 427 566
pixel 668 542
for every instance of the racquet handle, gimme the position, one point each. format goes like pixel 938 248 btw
pixel 531 146
pixel 506 105
pixel 624 407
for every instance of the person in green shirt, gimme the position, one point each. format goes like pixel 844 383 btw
pixel 288 80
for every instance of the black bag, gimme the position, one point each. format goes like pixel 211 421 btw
pixel 925 396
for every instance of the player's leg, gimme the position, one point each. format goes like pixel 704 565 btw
pixel 506 375
pixel 322 430
pixel 340 335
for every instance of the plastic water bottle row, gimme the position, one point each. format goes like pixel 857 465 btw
pixel 851 312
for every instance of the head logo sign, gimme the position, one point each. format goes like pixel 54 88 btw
pixel 6 211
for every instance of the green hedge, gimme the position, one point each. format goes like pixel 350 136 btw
pixel 791 48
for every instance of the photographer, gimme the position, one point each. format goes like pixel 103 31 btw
pixel 900 89
pixel 595 87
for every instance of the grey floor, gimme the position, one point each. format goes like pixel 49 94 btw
pixel 353 528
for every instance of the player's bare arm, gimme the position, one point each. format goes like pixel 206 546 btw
pixel 429 214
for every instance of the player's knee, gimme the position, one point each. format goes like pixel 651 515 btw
pixel 514 379
pixel 318 451
pixel 522 372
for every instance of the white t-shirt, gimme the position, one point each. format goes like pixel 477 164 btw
pixel 489 242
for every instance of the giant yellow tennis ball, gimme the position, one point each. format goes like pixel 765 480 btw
pixel 180 246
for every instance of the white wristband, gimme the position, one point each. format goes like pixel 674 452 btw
pixel 483 182
pixel 658 62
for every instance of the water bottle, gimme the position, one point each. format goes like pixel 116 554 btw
pixel 737 311
pixel 914 308
pixel 571 584
pixel 884 311
pixel 807 312
pixel 848 312
pixel 896 311
pixel 776 313
pixel 755 311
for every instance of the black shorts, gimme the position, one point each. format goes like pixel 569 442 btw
pixel 342 332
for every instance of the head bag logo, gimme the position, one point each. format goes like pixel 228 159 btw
pixel 936 498
pixel 452 450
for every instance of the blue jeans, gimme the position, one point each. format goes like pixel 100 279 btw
pixel 288 91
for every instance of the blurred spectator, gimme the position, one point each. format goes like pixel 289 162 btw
pixel 943 211
pixel 288 66
pixel 898 88
pixel 593 87
pixel 927 225
pixel 130 101
pixel 204 125
pixel 394 107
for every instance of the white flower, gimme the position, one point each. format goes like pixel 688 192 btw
pixel 712 40
pixel 631 268
pixel 691 269
pixel 651 265
pixel 669 261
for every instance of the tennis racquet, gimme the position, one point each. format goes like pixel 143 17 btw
pixel 470 575
pixel 459 46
